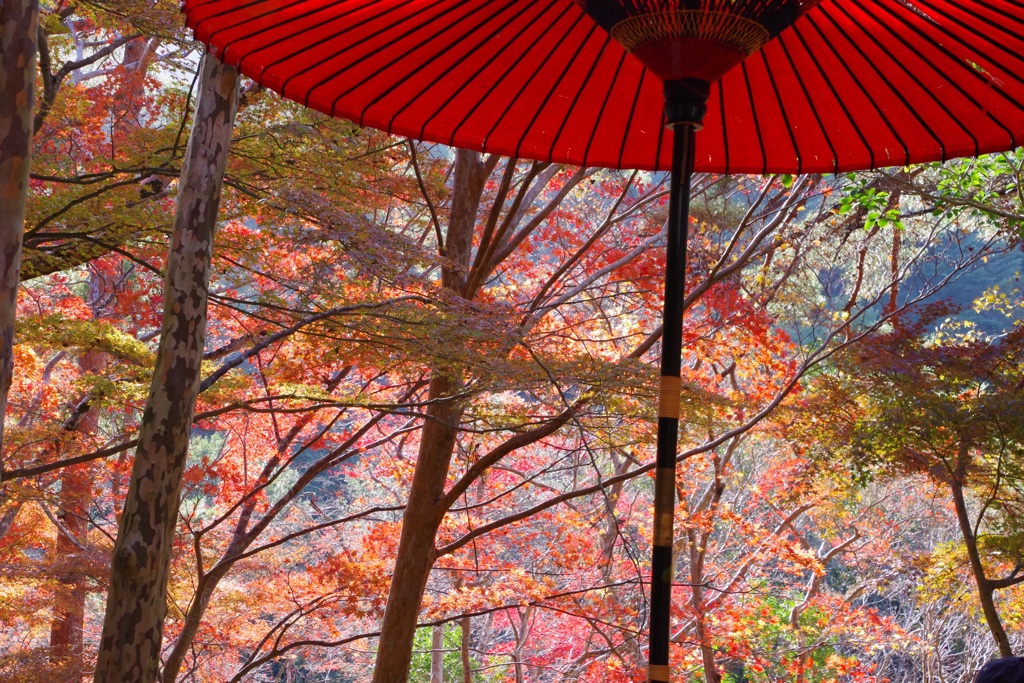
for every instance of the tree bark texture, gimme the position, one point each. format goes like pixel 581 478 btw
pixel 18 21
pixel 426 507
pixel 137 602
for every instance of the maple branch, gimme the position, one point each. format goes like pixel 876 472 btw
pixel 292 329
pixel 597 274
pixel 610 221
pixel 747 219
pixel 495 212
pixel 31 232
pixel 508 446
pixel 62 529
pixel 426 196
pixel 814 584
pixel 941 200
pixel 53 81
pixel 1013 579
pixel 538 219
pixel 823 352
pixel 722 271
pixel 745 567
pixel 482 262
pixel 251 663
pixel 35 470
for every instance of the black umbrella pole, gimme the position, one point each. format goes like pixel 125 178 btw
pixel 685 109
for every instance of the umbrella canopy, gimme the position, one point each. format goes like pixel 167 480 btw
pixel 853 84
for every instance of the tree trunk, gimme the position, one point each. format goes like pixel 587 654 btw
pixel 986 592
pixel 522 636
pixel 67 626
pixel 137 604
pixel 437 654
pixel 426 508
pixel 698 544
pixel 467 670
pixel 66 644
pixel 18 20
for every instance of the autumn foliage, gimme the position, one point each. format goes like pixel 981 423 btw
pixel 376 304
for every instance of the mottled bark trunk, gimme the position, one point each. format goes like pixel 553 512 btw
pixel 137 603
pixel 18 20
pixel 425 508
pixel 986 591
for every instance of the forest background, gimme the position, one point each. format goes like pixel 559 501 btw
pixel 403 334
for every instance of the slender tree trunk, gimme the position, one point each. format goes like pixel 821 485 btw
pixel 467 671
pixel 437 654
pixel 522 636
pixel 698 543
pixel 67 626
pixel 986 592
pixel 137 601
pixel 18 21
pixel 416 548
pixel 426 508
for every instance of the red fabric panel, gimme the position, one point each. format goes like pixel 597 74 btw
pixel 853 84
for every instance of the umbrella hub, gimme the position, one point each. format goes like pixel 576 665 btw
pixel 694 39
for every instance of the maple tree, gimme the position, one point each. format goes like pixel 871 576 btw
pixel 950 409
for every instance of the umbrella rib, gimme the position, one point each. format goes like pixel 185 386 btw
pixel 337 53
pixel 782 40
pixel 860 85
pixel 604 106
pixel 280 39
pixel 576 99
pixel 661 141
pixel 985 80
pixel 494 83
pixel 782 109
pixel 454 65
pixel 273 8
pixel 551 92
pixel 526 83
pixel 938 100
pixel 231 9
pixel 725 121
pixel 629 120
pixel 757 121
pixel 991 23
pixel 416 25
pixel 881 76
pixel 997 10
pixel 835 94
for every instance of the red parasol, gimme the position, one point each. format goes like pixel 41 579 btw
pixel 778 85
pixel 853 84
